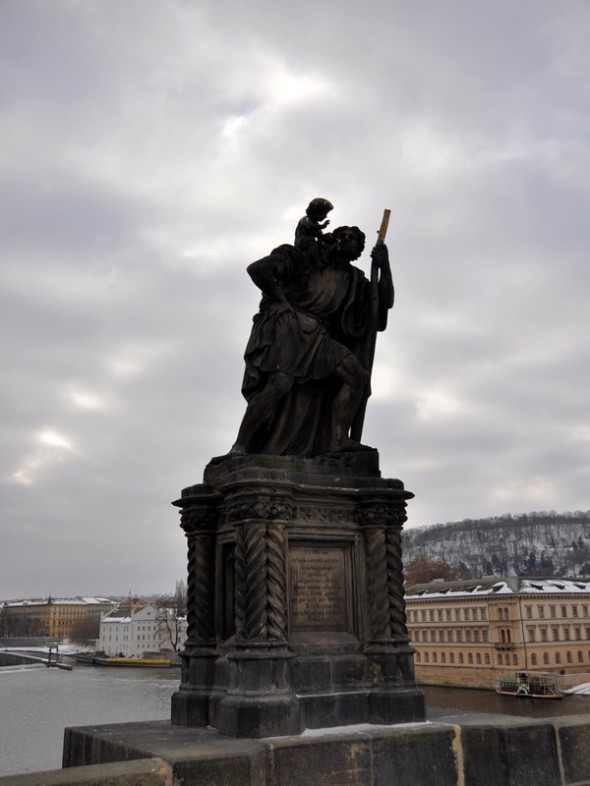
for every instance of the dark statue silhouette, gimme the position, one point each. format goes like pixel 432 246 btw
pixel 310 353
pixel 296 594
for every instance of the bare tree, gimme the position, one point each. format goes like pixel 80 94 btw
pixel 172 618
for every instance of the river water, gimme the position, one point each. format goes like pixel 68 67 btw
pixel 36 704
pixel 446 701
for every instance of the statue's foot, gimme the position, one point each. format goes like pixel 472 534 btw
pixel 347 445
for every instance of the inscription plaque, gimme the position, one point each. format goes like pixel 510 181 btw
pixel 318 588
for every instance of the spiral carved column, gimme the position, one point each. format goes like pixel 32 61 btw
pixel 260 568
pixel 201 577
pixel 395 583
pixel 276 575
pixel 381 523
pixel 377 583
pixel 259 662
pixel 376 519
pixel 397 603
pixel 387 643
pixel 190 705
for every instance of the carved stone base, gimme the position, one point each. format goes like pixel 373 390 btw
pixel 259 716
pixel 260 701
pixel 190 707
pixel 296 604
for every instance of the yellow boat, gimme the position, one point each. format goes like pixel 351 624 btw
pixel 153 662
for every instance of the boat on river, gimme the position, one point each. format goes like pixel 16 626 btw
pixel 93 660
pixel 529 685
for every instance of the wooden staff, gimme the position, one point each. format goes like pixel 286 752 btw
pixel 356 430
pixel 384 224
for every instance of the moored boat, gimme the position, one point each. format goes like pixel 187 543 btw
pixel 94 660
pixel 529 684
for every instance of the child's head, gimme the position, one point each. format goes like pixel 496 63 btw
pixel 318 209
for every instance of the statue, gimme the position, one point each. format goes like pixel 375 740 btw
pixel 295 583
pixel 310 353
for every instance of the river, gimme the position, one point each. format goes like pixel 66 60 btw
pixel 446 701
pixel 36 704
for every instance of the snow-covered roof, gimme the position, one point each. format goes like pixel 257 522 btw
pixel 474 588
pixel 126 614
pixel 490 586
pixel 555 585
pixel 86 601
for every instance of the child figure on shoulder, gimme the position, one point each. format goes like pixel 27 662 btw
pixel 308 233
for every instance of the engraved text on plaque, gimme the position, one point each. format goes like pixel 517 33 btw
pixel 318 589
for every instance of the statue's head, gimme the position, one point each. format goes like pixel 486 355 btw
pixel 348 242
pixel 318 209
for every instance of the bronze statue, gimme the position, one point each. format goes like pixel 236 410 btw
pixel 310 353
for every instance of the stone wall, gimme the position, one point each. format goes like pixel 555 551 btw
pixel 481 750
pixel 475 750
pixel 143 772
pixel 453 676
pixel 481 677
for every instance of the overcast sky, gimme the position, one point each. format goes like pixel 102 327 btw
pixel 151 149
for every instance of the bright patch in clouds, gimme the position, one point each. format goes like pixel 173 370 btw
pixel 134 359
pixel 24 475
pixel 233 126
pixel 582 433
pixel 282 88
pixel 85 399
pixel 125 368
pixel 288 88
pixel 55 440
pixel 52 448
pixel 387 381
pixel 438 405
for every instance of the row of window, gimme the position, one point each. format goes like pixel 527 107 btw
pixel 558 633
pixel 554 633
pixel 449 635
pixel 529 611
pixel 78 613
pixel 478 659
pixel 569 658
pixel 442 615
pixel 468 614
pixel 454 658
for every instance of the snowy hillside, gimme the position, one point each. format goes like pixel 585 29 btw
pixel 533 544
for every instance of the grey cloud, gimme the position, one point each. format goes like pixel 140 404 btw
pixel 150 153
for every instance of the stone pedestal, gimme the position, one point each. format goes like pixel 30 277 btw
pixel 295 597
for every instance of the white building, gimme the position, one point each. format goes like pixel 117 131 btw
pixel 133 633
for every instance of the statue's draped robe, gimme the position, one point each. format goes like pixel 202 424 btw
pixel 330 318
